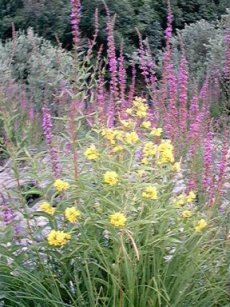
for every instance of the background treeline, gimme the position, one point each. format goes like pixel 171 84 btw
pixel 35 61
pixel 50 18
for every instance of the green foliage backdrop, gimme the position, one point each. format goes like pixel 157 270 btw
pixel 50 18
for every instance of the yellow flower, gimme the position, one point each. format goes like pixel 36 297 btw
pixel 156 132
pixel 118 219
pixel 150 193
pixel 119 135
pixel 200 225
pixel 138 101
pixel 150 149
pixel 165 153
pixel 131 138
pixel 46 207
pixel 109 135
pixel 141 112
pixel 180 200
pixel 129 111
pixel 140 107
pixel 58 238
pixel 117 148
pixel 176 167
pixel 146 125
pixel 186 214
pixel 61 185
pixel 129 124
pixel 111 178
pixel 191 197
pixel 72 214
pixel 91 153
pixel 145 161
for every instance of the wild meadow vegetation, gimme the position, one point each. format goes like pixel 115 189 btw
pixel 114 170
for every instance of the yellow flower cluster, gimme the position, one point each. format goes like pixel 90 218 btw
pixel 111 178
pixel 118 219
pixel 163 153
pixel 117 148
pixel 165 150
pixel 112 135
pixel 176 167
pixel 109 135
pixel 61 185
pixel 131 138
pixel 200 225
pixel 190 197
pixel 129 124
pixel 58 238
pixel 72 214
pixel 91 153
pixel 149 149
pixel 46 207
pixel 182 199
pixel 146 124
pixel 186 214
pixel 139 108
pixel 156 132
pixel 150 193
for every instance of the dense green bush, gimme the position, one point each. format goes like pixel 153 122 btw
pixel 205 51
pixel 36 64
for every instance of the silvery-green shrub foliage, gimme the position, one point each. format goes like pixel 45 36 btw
pixel 36 64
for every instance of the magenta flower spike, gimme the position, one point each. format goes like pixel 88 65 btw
pixel 207 176
pixel 183 92
pixel 227 53
pixel 47 129
pixel 75 20
pixel 122 81
pixel 132 85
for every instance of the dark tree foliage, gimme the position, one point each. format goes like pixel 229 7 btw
pixel 50 18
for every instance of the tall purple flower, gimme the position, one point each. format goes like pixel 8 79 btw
pixel 9 216
pixel 47 128
pixel 112 53
pixel 122 80
pixel 207 176
pixel 204 95
pixel 227 53
pixel 92 42
pixel 143 60
pixel 23 101
pixel 169 83
pixel 152 74
pixel 183 91
pixel 133 84
pixel 194 108
pixel 7 212
pixel 101 97
pixel 172 117
pixel 110 113
pixel 168 31
pixel 195 121
pixel 222 165
pixel 75 20
pixel 114 105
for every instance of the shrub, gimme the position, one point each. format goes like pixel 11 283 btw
pixel 40 67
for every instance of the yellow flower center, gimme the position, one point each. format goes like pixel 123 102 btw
pixel 118 219
pixel 111 178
